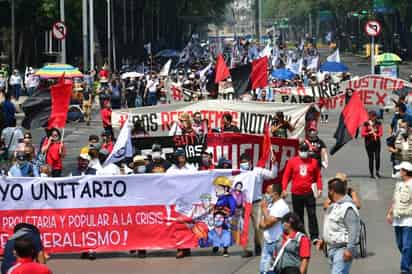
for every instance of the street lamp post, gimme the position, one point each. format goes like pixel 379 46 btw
pixel 85 34
pixel 91 18
pixel 13 35
pixel 62 18
pixel 109 35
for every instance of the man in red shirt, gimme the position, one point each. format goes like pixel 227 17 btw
pixel 106 115
pixel 305 175
pixel 24 249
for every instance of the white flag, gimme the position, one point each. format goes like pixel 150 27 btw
pixel 203 72
pixel 335 57
pixel 313 64
pixel 267 51
pixel 148 48
pixel 123 147
pixel 166 68
pixel 297 67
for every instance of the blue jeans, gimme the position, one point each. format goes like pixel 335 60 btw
pixel 404 241
pixel 152 99
pixel 336 263
pixel 16 91
pixel 266 260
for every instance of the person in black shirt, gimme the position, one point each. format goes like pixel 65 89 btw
pixel 280 126
pixel 317 148
pixel 227 124
pixel 22 231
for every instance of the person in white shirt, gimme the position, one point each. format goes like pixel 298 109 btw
pixel 181 165
pixel 15 84
pixel 261 174
pixel 110 169
pixel 31 82
pixel 94 157
pixel 400 215
pixel 273 209
pixel 151 91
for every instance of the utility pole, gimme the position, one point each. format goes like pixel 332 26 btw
pixel 109 34
pixel 113 40
pixel 13 35
pixel 85 34
pixel 91 18
pixel 63 52
pixel 260 22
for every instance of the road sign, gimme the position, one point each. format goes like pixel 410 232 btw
pixel 373 28
pixel 59 30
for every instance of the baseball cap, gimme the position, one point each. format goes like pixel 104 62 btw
pixel 20 233
pixel 84 156
pixel 405 166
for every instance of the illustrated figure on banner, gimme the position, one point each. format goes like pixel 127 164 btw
pixel 238 218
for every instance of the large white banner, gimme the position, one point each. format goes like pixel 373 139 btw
pixel 250 117
pixel 376 91
pixel 126 212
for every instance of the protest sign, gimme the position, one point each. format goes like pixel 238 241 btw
pixel 250 117
pixel 134 212
pixel 228 145
pixel 375 90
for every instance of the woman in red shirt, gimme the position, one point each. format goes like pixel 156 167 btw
pixel 54 150
pixel 292 249
pixel 372 131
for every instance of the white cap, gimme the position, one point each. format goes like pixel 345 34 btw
pixel 405 166
pixel 85 156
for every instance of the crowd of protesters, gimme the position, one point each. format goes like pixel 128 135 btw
pixel 279 231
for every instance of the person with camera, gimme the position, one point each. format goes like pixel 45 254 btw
pixel 401 146
pixel 372 131
pixel 23 167
pixel 280 126
pixel 54 150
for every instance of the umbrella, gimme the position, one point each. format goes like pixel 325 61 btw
pixel 168 53
pixel 388 58
pixel 282 74
pixel 333 67
pixel 57 70
pixel 131 74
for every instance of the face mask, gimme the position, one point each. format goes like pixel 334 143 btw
pixel 402 130
pixel 313 137
pixel 244 166
pixel 267 198
pixel 141 169
pixel 156 155
pixel 206 203
pixel 205 161
pixel 218 222
pixel 303 154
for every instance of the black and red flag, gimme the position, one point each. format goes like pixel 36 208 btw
pixel 352 117
pixel 222 71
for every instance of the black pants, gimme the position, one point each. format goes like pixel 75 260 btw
pixel 56 173
pixel 299 202
pixel 373 149
pixel 290 270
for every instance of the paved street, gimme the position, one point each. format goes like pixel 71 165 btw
pixel 383 257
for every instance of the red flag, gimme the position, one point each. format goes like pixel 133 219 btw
pixel 222 71
pixel 352 117
pixel 266 149
pixel 60 97
pixel 259 75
